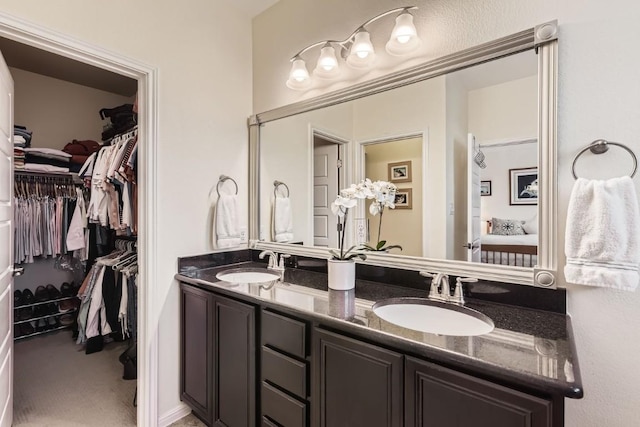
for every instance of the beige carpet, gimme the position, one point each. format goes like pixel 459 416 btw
pixel 57 385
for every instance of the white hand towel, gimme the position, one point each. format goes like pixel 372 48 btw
pixel 282 220
pixel 227 229
pixel 602 241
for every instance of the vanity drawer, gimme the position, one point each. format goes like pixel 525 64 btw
pixel 266 422
pixel 285 372
pixel 284 333
pixel 282 408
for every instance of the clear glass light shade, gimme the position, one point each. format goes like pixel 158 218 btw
pixel 327 67
pixel 361 54
pixel 299 76
pixel 404 37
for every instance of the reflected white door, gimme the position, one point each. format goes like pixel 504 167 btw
pixel 325 190
pixel 473 202
pixel 6 245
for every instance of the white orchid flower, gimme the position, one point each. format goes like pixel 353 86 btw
pixel 341 204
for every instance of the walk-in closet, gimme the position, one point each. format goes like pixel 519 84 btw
pixel 75 241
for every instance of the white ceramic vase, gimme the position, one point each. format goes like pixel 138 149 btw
pixel 342 274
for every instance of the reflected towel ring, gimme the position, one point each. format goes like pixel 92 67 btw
pixel 600 146
pixel 277 184
pixel 221 181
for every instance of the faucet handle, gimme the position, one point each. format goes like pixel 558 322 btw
pixel 282 258
pixel 458 295
pixel 433 290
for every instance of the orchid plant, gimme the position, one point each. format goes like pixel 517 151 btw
pixel 383 195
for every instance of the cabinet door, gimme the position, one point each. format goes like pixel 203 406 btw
pixel 235 363
pixel 439 397
pixel 197 350
pixel 355 383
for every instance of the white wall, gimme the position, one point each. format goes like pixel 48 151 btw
pixel 57 112
pixel 286 154
pixel 202 50
pixel 398 112
pixel 598 89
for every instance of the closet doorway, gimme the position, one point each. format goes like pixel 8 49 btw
pixel 50 43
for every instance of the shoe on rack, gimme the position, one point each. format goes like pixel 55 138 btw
pixel 52 322
pixel 18 299
pixel 27 328
pixel 74 288
pixel 40 310
pixel 66 306
pixel 51 308
pixel 17 331
pixel 41 325
pixel 66 290
pixel 25 313
pixel 41 294
pixel 53 292
pixel 66 320
pixel 27 297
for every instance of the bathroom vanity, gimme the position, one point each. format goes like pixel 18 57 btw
pixel 293 353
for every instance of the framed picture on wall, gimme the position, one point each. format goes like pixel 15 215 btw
pixel 404 198
pixel 523 186
pixel 400 171
pixel 485 188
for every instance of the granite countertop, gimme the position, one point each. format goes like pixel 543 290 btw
pixel 533 348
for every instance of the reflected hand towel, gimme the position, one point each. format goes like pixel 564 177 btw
pixel 282 220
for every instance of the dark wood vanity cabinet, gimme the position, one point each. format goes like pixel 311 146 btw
pixel 356 383
pixel 312 376
pixel 439 397
pixel 218 358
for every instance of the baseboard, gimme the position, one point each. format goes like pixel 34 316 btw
pixel 174 415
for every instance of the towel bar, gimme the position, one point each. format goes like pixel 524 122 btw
pixel 221 181
pixel 277 184
pixel 600 146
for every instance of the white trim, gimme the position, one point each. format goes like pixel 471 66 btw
pixel 34 35
pixel 173 415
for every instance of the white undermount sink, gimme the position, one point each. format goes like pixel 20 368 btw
pixel 247 275
pixel 424 315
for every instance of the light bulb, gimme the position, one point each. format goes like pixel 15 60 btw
pixel 298 76
pixel 404 37
pixel 362 53
pixel 327 66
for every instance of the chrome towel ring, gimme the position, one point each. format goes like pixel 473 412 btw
pixel 277 184
pixel 600 146
pixel 222 180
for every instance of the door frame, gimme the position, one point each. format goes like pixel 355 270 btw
pixel 343 155
pixel 360 175
pixel 31 34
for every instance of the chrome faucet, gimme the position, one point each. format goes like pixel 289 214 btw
pixel 439 290
pixel 273 259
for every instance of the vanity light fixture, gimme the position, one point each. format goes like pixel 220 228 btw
pixel 357 49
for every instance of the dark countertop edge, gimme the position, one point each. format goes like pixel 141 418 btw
pixel 457 361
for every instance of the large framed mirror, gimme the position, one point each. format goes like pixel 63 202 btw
pixel 469 140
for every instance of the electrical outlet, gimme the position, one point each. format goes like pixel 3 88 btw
pixel 243 234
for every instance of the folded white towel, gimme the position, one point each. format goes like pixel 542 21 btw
pixel 602 241
pixel 227 229
pixel 42 150
pixel 282 220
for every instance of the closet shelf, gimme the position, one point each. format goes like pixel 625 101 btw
pixel 44 302
pixel 46 331
pixel 44 317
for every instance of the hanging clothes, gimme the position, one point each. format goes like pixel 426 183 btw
pixel 43 207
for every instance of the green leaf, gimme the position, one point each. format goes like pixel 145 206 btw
pixel 393 247
pixel 368 248
pixel 381 243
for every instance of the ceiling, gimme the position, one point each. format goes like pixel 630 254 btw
pixel 252 7
pixel 28 58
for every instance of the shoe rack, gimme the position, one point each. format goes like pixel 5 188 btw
pixel 50 321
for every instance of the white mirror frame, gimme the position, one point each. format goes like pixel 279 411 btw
pixel 543 38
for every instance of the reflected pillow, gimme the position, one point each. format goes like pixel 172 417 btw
pixel 506 227
pixel 530 226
